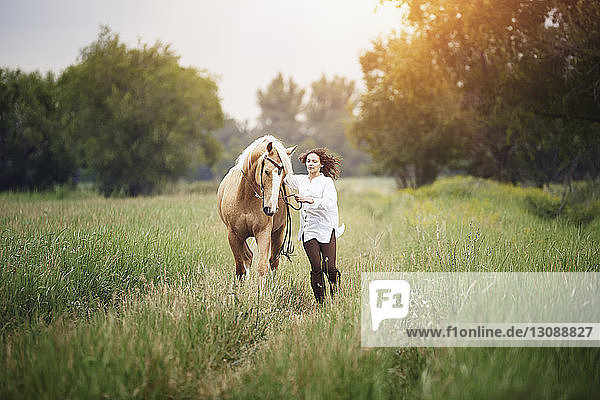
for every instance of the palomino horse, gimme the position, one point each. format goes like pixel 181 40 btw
pixel 249 203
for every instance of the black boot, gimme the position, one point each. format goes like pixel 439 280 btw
pixel 333 276
pixel 318 286
pixel 334 281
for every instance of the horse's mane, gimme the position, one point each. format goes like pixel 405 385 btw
pixel 245 158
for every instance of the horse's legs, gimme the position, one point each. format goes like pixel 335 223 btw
pixel 238 248
pixel 263 240
pixel 247 255
pixel 276 241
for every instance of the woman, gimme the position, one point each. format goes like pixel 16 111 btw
pixel 319 217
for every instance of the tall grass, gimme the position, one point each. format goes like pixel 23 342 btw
pixel 136 298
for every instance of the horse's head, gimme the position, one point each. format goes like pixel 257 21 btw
pixel 270 173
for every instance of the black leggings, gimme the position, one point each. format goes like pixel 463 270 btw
pixel 322 259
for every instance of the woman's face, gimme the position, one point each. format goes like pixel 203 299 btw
pixel 313 163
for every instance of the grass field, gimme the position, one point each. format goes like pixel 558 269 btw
pixel 136 298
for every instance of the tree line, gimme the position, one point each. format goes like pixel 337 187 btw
pixel 503 89
pixel 128 118
pixel 507 89
pixel 131 119
pixel 309 117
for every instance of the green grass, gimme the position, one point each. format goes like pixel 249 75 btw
pixel 136 298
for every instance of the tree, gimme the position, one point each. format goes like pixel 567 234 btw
pixel 524 74
pixel 234 136
pixel 34 153
pixel 410 117
pixel 281 104
pixel 530 70
pixel 551 47
pixel 318 122
pixel 327 113
pixel 139 117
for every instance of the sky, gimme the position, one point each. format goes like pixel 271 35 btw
pixel 243 44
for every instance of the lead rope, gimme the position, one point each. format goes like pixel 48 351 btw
pixel 287 246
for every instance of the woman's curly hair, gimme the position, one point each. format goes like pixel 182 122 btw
pixel 330 164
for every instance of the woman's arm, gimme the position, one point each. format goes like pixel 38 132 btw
pixel 304 199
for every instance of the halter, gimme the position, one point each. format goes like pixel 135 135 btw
pixel 262 168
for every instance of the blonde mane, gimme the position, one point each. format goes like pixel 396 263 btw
pixel 244 158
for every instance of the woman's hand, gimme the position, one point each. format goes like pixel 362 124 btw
pixel 304 199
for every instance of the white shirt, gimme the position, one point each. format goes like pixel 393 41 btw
pixel 317 220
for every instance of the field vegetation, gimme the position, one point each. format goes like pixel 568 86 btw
pixel 137 297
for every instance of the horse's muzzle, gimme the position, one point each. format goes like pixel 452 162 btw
pixel 268 211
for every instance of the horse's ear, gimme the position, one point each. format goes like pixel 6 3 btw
pixel 269 147
pixel 290 150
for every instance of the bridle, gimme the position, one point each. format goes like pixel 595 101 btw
pixel 262 168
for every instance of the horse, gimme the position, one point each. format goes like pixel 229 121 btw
pixel 249 204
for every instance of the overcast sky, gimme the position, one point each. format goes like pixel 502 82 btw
pixel 243 43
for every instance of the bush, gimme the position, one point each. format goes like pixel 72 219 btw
pixel 582 204
pixel 542 204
